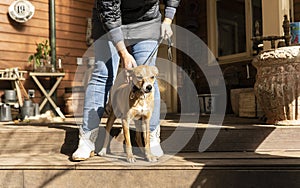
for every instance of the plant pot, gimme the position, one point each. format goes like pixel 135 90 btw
pixel 277 86
pixel 39 67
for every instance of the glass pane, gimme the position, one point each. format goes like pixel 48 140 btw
pixel 257 23
pixel 256 16
pixel 231 27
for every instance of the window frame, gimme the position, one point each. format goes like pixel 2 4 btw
pixel 213 34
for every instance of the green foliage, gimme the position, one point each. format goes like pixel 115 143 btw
pixel 42 53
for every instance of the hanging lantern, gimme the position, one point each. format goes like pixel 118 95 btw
pixel 21 10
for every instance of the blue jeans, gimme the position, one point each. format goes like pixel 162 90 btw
pixel 104 75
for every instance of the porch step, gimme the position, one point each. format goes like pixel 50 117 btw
pixel 235 135
pixel 205 170
pixel 38 138
pixel 245 153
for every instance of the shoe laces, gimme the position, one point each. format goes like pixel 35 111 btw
pixel 154 136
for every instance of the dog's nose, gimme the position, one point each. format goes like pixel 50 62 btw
pixel 149 88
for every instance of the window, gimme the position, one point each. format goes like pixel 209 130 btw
pixel 231 26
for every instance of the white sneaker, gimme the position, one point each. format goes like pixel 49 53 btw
pixel 155 147
pixel 86 146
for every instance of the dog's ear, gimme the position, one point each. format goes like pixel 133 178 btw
pixel 154 70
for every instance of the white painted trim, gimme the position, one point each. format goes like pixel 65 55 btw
pixel 249 21
pixel 273 12
pixel 292 10
pixel 174 99
pixel 212 30
pixel 212 26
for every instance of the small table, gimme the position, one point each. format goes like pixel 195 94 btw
pixel 48 98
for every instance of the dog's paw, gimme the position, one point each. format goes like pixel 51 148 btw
pixel 102 153
pixel 131 159
pixel 152 158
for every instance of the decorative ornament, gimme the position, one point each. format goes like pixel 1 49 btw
pixel 21 10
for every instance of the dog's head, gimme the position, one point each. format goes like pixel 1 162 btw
pixel 143 77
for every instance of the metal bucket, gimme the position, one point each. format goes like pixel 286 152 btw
pixel 5 113
pixel 10 96
pixel 27 109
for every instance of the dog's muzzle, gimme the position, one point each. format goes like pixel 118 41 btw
pixel 148 89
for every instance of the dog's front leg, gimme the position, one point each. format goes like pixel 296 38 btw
pixel 108 127
pixel 146 131
pixel 130 157
pixel 138 135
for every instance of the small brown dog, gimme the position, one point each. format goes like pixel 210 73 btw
pixel 133 101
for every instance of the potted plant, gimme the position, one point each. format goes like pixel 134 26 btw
pixel 41 56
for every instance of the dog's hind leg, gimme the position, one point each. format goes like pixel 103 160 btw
pixel 108 127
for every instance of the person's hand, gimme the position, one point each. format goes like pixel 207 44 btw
pixel 127 59
pixel 166 30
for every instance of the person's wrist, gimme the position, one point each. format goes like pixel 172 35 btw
pixel 123 52
pixel 167 21
pixel 121 48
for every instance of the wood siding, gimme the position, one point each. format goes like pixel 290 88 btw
pixel 18 40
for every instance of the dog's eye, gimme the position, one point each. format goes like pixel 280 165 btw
pixel 139 77
pixel 152 77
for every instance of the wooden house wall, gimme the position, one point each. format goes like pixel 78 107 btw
pixel 18 40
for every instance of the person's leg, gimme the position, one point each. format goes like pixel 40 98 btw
pixel 105 70
pixel 140 51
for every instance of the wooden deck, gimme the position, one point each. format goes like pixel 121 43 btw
pixel 209 170
pixel 208 160
pixel 245 153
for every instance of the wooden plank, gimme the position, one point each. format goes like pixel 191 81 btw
pixel 24 46
pixel 20 56
pixel 75 20
pixel 32 31
pixel 82 5
pixel 38 16
pixel 64 15
pixel 21 39
pixel 43 24
pixel 3 9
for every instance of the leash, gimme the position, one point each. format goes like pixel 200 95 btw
pixel 154 51
pixel 156 48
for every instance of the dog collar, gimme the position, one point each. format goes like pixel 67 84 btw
pixel 135 88
pixel 135 91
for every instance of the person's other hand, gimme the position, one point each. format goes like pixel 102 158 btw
pixel 166 30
